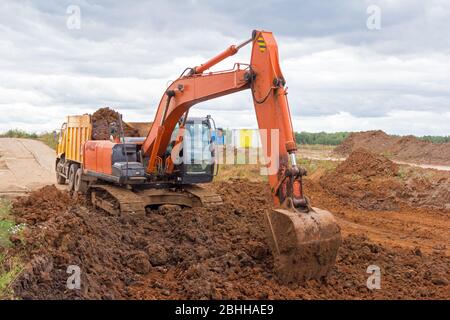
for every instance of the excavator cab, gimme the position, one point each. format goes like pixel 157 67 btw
pixel 197 153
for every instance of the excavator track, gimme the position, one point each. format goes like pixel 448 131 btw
pixel 207 198
pixel 117 200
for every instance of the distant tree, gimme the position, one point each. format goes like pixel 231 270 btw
pixel 336 138
pixel 436 139
pixel 321 138
pixel 18 133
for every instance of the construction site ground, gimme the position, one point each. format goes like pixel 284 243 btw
pixel 392 216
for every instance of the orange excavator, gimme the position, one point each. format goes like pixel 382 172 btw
pixel 131 176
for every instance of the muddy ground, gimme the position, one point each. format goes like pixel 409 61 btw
pixel 104 119
pixel 221 253
pixel 403 148
pixel 373 182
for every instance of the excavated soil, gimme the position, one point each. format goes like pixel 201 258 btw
pixel 406 148
pixel 103 118
pixel 372 182
pixel 212 253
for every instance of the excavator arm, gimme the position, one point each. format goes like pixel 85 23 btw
pixel 304 240
pixel 180 96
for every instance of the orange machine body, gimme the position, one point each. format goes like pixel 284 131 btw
pixel 97 156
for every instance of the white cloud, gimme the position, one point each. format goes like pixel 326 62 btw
pixel 398 122
pixel 340 75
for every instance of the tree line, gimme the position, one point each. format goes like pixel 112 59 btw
pixel 321 138
pixel 436 139
pixel 336 138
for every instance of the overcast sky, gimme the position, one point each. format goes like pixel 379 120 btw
pixel 341 75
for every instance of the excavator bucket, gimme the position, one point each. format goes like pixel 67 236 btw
pixel 304 244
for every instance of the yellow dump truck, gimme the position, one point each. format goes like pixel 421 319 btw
pixel 75 131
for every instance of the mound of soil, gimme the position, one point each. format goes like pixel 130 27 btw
pixel 40 205
pixel 196 253
pixel 407 148
pixel 103 119
pixel 367 164
pixel 369 181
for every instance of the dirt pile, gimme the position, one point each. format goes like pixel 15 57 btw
pixel 196 253
pixel 103 119
pixel 367 164
pixel 40 205
pixel 373 182
pixel 407 148
pixel 72 235
pixel 375 141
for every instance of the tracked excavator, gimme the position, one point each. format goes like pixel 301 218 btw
pixel 129 176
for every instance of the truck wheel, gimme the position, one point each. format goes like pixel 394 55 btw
pixel 80 186
pixel 72 171
pixel 60 179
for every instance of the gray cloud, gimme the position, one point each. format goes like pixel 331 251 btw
pixel 126 52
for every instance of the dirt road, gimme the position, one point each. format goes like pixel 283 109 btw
pixel 25 165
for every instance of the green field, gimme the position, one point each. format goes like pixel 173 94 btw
pixel 10 266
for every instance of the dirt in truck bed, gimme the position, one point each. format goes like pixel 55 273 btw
pixel 221 253
pixel 103 118
pixel 402 148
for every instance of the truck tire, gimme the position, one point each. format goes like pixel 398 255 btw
pixel 72 171
pixel 80 185
pixel 60 179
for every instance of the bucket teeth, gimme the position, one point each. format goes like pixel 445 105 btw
pixel 304 245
